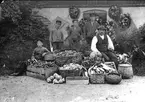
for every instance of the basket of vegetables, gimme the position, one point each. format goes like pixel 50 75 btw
pixel 68 56
pixel 71 70
pixel 97 73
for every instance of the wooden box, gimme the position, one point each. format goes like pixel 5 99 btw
pixel 77 80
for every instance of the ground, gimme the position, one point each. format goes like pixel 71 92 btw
pixel 27 89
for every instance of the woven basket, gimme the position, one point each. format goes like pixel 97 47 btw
pixel 113 78
pixel 97 79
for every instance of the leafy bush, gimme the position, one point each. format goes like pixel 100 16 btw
pixel 19 33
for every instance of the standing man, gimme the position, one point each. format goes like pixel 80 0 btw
pixel 90 28
pixel 56 36
pixel 75 35
pixel 103 45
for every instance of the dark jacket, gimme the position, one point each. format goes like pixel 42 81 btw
pixel 89 29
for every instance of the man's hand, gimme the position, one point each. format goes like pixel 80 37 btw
pixel 44 54
pixel 99 53
pixel 110 49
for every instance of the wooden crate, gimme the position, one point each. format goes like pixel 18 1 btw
pixel 35 75
pixel 77 80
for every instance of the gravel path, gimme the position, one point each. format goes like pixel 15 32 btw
pixel 27 89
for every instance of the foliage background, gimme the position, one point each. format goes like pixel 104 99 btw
pixel 20 29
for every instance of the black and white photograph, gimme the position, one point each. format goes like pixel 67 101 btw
pixel 72 50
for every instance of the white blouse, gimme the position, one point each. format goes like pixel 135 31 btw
pixel 95 40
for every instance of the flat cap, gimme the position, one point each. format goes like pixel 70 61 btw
pixel 101 27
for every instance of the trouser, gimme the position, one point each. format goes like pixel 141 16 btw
pixel 110 56
pixel 57 45
pixel 75 44
pixel 89 40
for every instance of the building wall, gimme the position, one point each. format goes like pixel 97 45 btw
pixel 137 13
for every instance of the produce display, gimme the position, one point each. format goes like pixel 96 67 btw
pixel 88 61
pixel 71 66
pixel 68 56
pixel 67 53
pixel 55 79
pixel 114 12
pixel 100 69
pixel 74 12
pixel 123 58
pixel 42 64
pixel 125 21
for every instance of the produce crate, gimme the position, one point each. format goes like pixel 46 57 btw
pixel 77 80
pixel 71 73
pixel 35 75
pixel 40 73
pixel 31 68
pixel 97 78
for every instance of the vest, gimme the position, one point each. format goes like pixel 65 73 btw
pixel 102 44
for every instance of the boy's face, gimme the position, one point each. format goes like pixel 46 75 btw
pixel 76 23
pixel 39 44
pixel 57 25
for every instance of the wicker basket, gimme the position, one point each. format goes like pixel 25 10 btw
pixel 71 73
pixel 113 78
pixel 97 79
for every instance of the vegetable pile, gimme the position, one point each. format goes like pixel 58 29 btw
pixel 67 53
pixel 74 12
pixel 125 21
pixel 71 66
pixel 55 79
pixel 88 61
pixel 114 12
pixel 43 64
pixel 100 69
pixel 123 58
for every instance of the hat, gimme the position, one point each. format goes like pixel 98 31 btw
pixel 101 27
pixel 92 14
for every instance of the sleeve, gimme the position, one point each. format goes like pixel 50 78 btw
pixel 62 35
pixel 85 30
pixel 93 44
pixel 50 37
pixel 110 43
pixel 33 53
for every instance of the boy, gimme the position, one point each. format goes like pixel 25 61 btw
pixel 56 36
pixel 39 51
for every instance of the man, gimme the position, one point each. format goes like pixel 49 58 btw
pixel 90 28
pixel 103 45
pixel 75 35
pixel 39 51
pixel 56 36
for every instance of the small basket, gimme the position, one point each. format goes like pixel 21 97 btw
pixel 113 78
pixel 97 79
pixel 71 73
